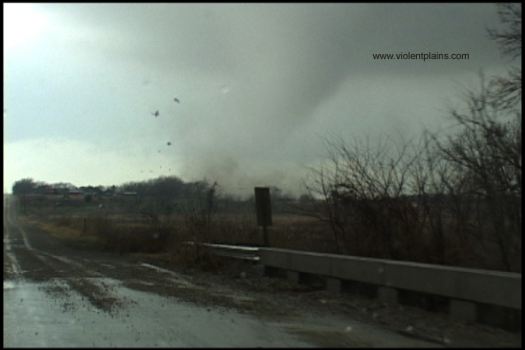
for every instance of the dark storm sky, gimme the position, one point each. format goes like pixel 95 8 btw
pixel 259 85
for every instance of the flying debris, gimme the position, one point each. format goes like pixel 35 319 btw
pixel 168 143
pixel 156 114
pixel 176 100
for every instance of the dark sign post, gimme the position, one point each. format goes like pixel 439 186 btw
pixel 264 210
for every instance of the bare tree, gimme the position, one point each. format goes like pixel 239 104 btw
pixel 464 186
pixel 363 190
pixel 486 150
pixel 505 91
pixel 321 185
pixel 509 38
pixel 199 209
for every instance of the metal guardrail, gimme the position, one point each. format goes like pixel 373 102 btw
pixel 231 251
pixel 490 287
pixel 466 284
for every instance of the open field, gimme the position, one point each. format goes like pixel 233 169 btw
pixel 128 226
pixel 106 226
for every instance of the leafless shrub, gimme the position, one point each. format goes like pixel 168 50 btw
pixel 363 192
pixel 508 38
pixel 486 155
pixel 454 198
pixel 198 213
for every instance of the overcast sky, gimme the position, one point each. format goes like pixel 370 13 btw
pixel 259 85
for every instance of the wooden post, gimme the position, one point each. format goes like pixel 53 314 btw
pixel 264 211
pixel 265 236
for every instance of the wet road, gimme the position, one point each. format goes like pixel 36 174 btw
pixel 55 296
pixel 33 319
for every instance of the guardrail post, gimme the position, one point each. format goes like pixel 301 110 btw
pixel 292 276
pixel 260 270
pixel 462 310
pixel 387 295
pixel 333 285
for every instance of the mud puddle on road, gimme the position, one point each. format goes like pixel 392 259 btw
pixel 100 293
pixel 59 275
pixel 97 293
pixel 145 277
pixel 32 318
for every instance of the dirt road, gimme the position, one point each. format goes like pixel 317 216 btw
pixel 58 296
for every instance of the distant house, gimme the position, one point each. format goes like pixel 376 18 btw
pixel 46 189
pixel 129 194
pixel 43 192
pixel 74 194
pixel 108 192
